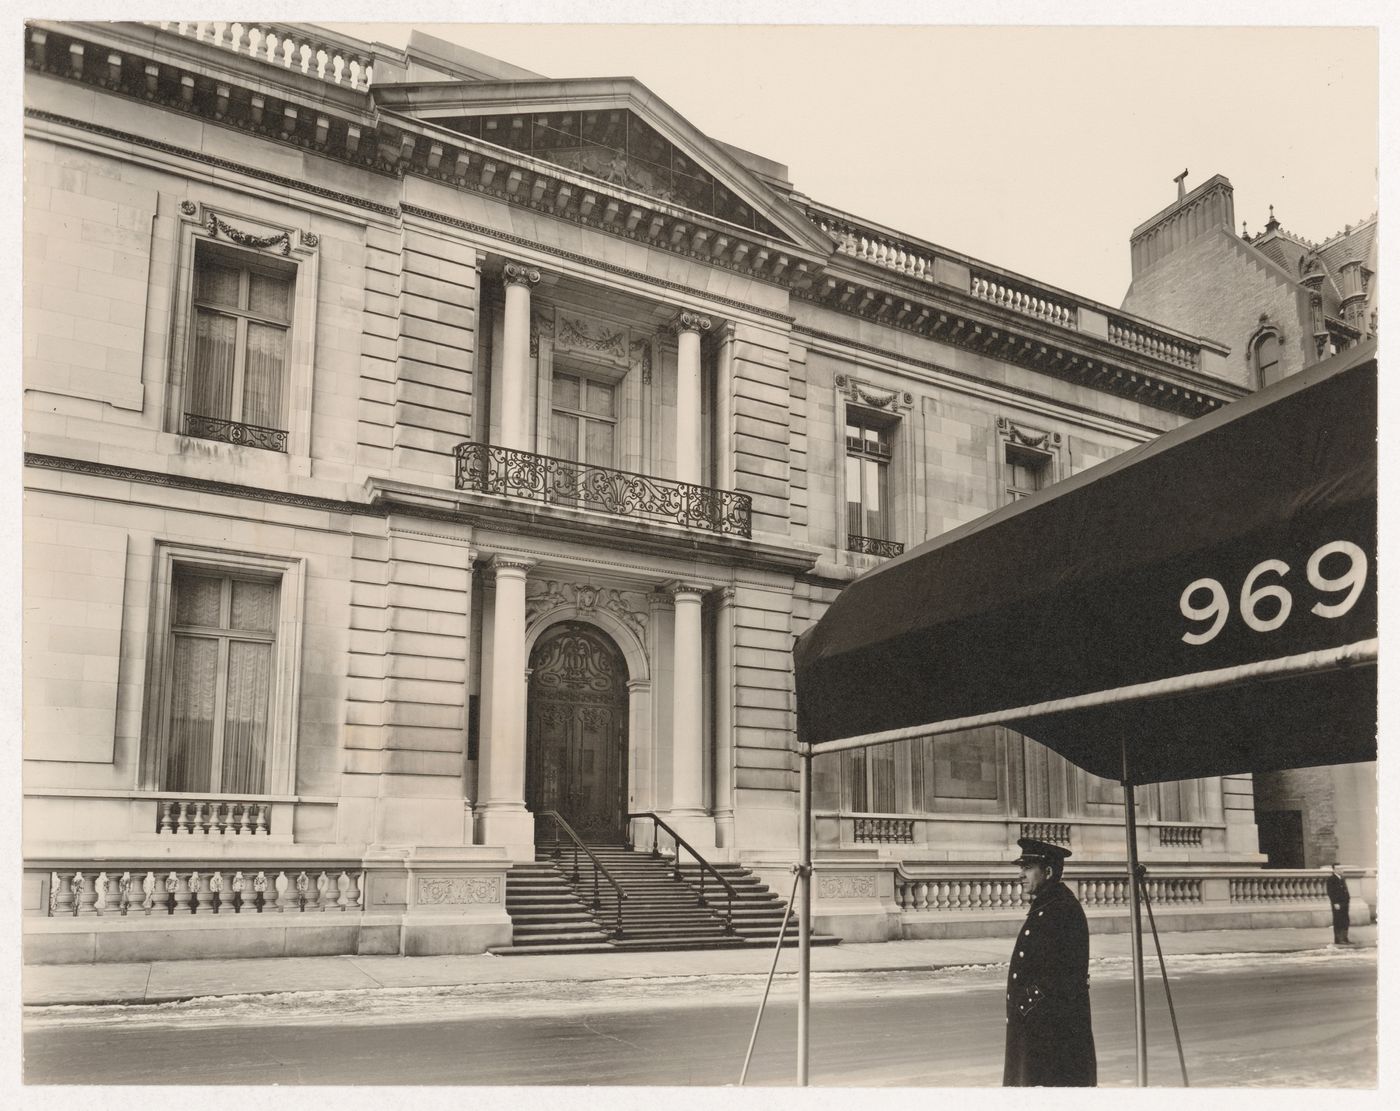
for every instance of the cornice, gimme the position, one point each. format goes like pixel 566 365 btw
pixel 940 317
pixel 983 384
pixel 392 144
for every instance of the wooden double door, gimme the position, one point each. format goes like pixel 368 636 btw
pixel 576 746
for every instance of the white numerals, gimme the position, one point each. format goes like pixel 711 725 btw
pixel 1206 600
pixel 1351 581
pixel 1217 610
pixel 1249 597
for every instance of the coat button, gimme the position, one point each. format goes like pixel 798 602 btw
pixel 1040 914
pixel 1013 975
pixel 1022 953
pixel 1028 933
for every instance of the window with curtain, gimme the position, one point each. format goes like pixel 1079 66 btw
pixel 1266 360
pixel 222 643
pixel 869 446
pixel 583 420
pixel 1026 471
pixel 868 782
pixel 238 370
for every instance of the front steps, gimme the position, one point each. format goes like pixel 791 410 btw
pixel 553 915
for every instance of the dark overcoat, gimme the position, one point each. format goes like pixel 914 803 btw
pixel 1049 1035
pixel 1337 893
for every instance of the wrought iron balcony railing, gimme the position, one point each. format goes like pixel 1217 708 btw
pixel 235 432
pixel 490 469
pixel 873 545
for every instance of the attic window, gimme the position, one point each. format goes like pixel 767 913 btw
pixel 616 146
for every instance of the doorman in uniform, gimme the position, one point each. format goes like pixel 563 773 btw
pixel 1340 898
pixel 1049 1035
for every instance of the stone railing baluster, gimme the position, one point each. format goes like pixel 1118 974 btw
pixel 278 890
pixel 99 894
pixel 260 892
pixel 216 891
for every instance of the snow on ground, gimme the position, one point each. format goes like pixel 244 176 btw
pixel 520 999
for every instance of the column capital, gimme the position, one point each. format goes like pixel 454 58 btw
pixel 502 561
pixel 726 594
pixel 677 587
pixel 519 273
pixel 687 321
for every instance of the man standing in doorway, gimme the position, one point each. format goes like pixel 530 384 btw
pixel 1049 1035
pixel 1340 898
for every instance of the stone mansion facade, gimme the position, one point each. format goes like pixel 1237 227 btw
pixel 417 447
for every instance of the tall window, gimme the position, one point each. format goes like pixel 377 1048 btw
pixel 238 374
pixel 868 780
pixel 1266 360
pixel 868 449
pixel 1026 471
pixel 222 640
pixel 583 423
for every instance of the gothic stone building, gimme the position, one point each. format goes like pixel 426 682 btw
pixel 1281 303
pixel 416 446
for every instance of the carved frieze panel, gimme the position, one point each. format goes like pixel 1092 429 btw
pixel 629 607
pixel 444 890
pixel 1027 437
pixel 597 339
pixel 872 396
pixel 846 887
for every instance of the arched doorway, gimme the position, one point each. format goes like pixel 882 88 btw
pixel 576 749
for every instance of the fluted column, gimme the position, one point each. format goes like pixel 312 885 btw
pixel 501 815
pixel 689 453
pixel 515 356
pixel 687 732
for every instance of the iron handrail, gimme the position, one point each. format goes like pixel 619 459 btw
pixel 731 893
pixel 598 866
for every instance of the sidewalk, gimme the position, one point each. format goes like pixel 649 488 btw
pixel 152 982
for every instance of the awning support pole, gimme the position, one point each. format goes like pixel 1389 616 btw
pixel 804 922
pixel 1135 895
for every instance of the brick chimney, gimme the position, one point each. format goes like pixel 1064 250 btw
pixel 1208 206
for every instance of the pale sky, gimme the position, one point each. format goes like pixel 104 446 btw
pixel 1037 149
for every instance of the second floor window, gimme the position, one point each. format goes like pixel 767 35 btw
pixel 1026 471
pixel 868 450
pixel 238 373
pixel 223 636
pixel 583 420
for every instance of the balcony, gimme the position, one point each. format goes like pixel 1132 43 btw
pixel 488 469
pixel 873 545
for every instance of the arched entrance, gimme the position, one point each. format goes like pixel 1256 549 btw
pixel 576 748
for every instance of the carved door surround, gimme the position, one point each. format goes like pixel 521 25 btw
pixel 576 747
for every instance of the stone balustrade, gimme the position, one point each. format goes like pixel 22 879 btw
pixel 935 893
pixel 872 247
pixel 222 817
pixel 1279 887
pixel 1006 291
pixel 286 47
pixel 78 893
pixel 1056 833
pixel 1149 341
pixel 1024 299
pixel 1177 837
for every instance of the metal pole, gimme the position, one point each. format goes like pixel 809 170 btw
pixel 1139 989
pixel 804 922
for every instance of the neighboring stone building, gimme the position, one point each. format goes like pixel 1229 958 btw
pixel 1280 303
pixel 416 445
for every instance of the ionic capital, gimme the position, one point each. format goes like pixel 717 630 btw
pixel 677 587
pixel 691 322
pixel 518 273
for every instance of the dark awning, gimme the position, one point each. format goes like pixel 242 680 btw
pixel 1081 589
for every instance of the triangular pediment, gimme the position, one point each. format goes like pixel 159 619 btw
pixel 615 131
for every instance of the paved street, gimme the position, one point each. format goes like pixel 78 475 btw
pixel 1288 1019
